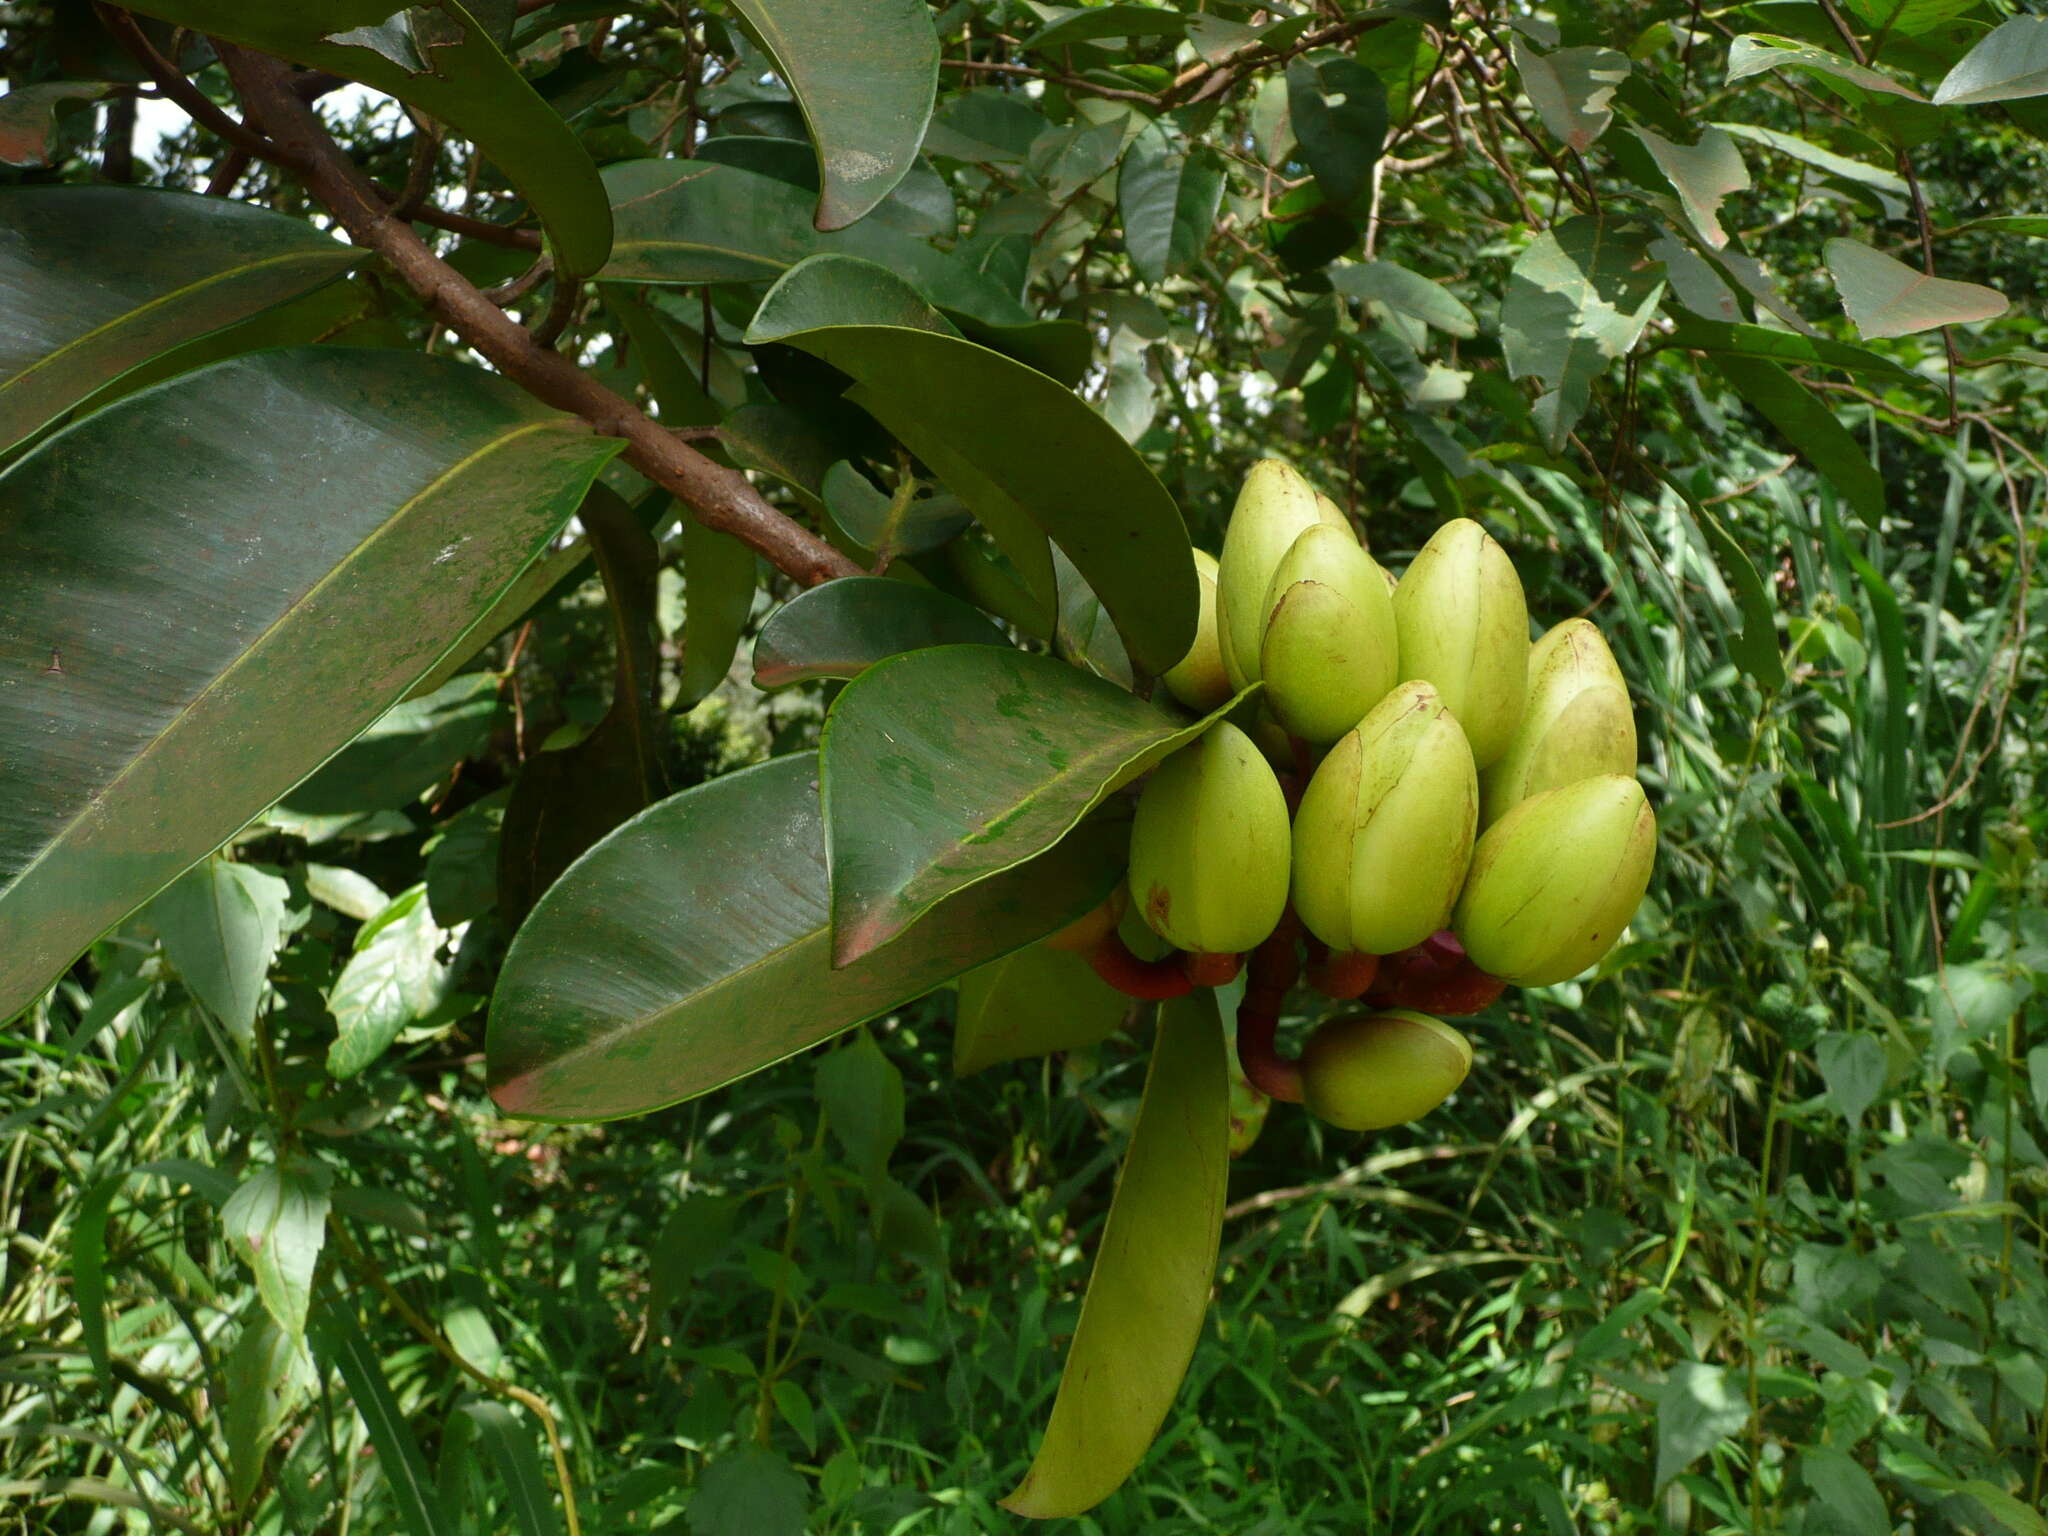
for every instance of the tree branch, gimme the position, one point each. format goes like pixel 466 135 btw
pixel 722 498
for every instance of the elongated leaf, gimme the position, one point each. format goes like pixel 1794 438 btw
pixel 437 57
pixel 1572 89
pixel 1885 297
pixel 221 925
pixel 1702 174
pixel 184 617
pixel 1167 195
pixel 277 1221
pixel 511 1449
pixel 1771 345
pixel 1149 1289
pixel 344 1346
pixel 843 627
pixel 692 947
pixel 1405 292
pixel 2009 64
pixel 946 766
pixel 95 281
pixel 865 73
pixel 1034 1002
pixel 1755 647
pixel 1105 21
pixel 719 575
pixel 959 407
pixel 1820 159
pixel 252 1377
pixel 1809 427
pixel 1760 53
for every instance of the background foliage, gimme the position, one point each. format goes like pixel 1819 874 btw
pixel 1743 1235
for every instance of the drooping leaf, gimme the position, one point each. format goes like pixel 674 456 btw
pixel 221 924
pixel 1702 174
pixel 1149 1289
pixel 1788 348
pixel 1885 297
pixel 31 114
pixel 1034 1002
pixel 510 1446
pixel 98 280
pixel 1809 427
pixel 861 1092
pixel 865 73
pixel 394 977
pixel 692 947
pixel 1755 646
pixel 1882 178
pixel 123 773
pixel 455 73
pixel 343 1345
pixel 959 407
pixel 1088 25
pixel 1578 299
pixel 1760 53
pixel 1572 89
pixel 1167 195
pixel 1339 113
pixel 2009 64
pixel 1405 292
pixel 277 1221
pixel 719 577
pixel 841 628
pixel 254 1375
pixel 943 767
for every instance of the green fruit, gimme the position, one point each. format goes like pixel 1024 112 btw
pixel 1329 512
pixel 1556 879
pixel 1209 846
pixel 1198 679
pixel 1464 626
pixel 1375 1070
pixel 1577 722
pixel 1330 648
pixel 1383 835
pixel 1273 509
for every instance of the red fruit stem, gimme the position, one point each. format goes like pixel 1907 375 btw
pixel 1211 970
pixel 1343 977
pixel 1273 969
pixel 1152 980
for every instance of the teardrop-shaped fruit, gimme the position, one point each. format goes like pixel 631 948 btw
pixel 1275 506
pixel 1384 831
pixel 1576 723
pixel 1198 679
pixel 1330 650
pixel 1464 626
pixel 1375 1070
pixel 1556 879
pixel 1328 511
pixel 1209 847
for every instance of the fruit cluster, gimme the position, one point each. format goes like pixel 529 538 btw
pixel 1428 803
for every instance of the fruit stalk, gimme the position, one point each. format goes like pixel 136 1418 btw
pixel 1273 967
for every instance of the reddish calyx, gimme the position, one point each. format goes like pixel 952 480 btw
pixel 1435 977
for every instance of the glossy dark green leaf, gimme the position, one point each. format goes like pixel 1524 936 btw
pixel 2008 65
pixel 30 116
pixel 1339 113
pixel 865 73
pixel 178 621
pixel 890 526
pixel 692 947
pixel 407 750
pixel 1809 427
pixel 1032 1003
pixel 781 441
pixel 1149 1290
pixel 565 800
pixel 841 628
pixel 439 58
pixel 719 577
pixel 98 280
pixel 1008 440
pixel 943 767
pixel 1167 195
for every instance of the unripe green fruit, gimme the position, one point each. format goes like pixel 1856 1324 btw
pixel 1383 835
pixel 1273 509
pixel 1464 626
pixel 1381 1069
pixel 1556 879
pixel 1209 847
pixel 1576 723
pixel 1198 679
pixel 1330 648
pixel 1329 512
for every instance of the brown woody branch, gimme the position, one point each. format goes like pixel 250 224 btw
pixel 722 498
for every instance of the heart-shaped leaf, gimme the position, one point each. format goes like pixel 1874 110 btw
pixel 943 767
pixel 1885 297
pixel 692 947
pixel 865 73
pixel 97 280
pixel 163 718
pixel 439 58
pixel 1149 1290
pixel 959 407
pixel 841 628
pixel 2007 65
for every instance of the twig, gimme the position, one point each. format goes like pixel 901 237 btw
pixel 174 85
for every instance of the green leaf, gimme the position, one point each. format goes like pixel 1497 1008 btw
pixel 1843 1489
pixel 943 767
pixel 1702 174
pixel 1853 1067
pixel 1755 647
pixel 843 627
pixel 567 799
pixel 865 73
pixel 277 1222
pixel 1571 89
pixel 1810 428
pixel 394 977
pixel 446 65
pixel 1066 160
pixel 861 1092
pixel 254 1376
pixel 2004 1508
pixel 520 1481
pixel 1032 1003
pixel 1167 195
pixel 405 485
pixel 221 924
pixel 692 947
pixel 1761 53
pixel 1578 299
pixel 1885 180
pixel 1405 292
pixel 410 748
pixel 1908 18
pixel 31 114
pixel 1697 1408
pixel 719 574
pixel 344 1346
pixel 1885 297
pixel 749 1492
pixel 889 526
pixel 1771 345
pixel 1009 442
pixel 2007 65
pixel 1339 113
pixel 1088 25
pixel 98 280
pixel 1149 1289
